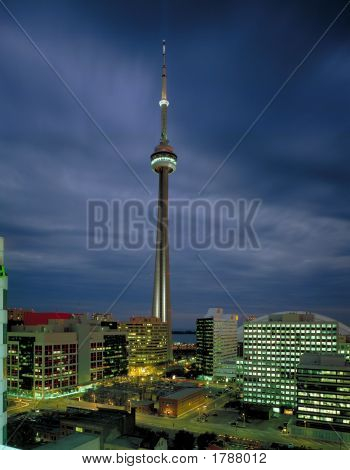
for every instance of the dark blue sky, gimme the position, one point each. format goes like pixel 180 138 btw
pixel 225 61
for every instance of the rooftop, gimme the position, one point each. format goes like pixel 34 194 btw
pixel 72 441
pixel 180 394
pixel 324 361
pixel 98 419
pixel 284 317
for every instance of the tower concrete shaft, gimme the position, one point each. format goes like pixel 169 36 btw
pixel 161 307
pixel 163 162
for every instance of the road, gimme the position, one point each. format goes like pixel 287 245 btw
pixel 263 431
pixel 22 405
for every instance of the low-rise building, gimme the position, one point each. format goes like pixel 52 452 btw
pixel 178 403
pixel 74 441
pixel 108 425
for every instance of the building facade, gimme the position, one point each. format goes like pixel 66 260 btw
pixel 323 392
pixel 3 346
pixel 272 351
pixel 41 363
pixel 147 345
pixel 216 336
pixel 344 346
pixel 108 356
pixel 181 402
pixel 57 357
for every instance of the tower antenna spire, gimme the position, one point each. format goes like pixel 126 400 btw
pixel 164 103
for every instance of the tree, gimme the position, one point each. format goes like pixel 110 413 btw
pixel 150 438
pixel 184 440
pixel 21 435
pixel 203 440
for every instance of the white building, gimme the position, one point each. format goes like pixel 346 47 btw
pixel 272 351
pixel 3 346
pixel 216 341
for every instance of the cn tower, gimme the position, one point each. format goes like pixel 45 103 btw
pixel 163 162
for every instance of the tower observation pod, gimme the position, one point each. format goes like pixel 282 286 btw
pixel 163 162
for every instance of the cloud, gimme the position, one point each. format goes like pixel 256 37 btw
pixel 224 66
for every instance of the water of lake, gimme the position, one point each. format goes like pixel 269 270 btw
pixel 183 338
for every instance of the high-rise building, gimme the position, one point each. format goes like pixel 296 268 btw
pixel 109 355
pixel 216 342
pixel 323 392
pixel 272 350
pixel 42 362
pixel 3 346
pixel 163 162
pixel 147 343
pixel 57 357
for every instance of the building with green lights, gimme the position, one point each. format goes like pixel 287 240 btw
pixel 216 336
pixel 344 346
pixel 3 347
pixel 271 353
pixel 323 392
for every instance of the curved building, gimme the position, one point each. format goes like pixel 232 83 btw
pixel 344 330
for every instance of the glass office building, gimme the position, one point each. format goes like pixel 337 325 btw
pixel 216 336
pixel 272 352
pixel 323 392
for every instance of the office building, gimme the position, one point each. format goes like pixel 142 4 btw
pixel 3 346
pixel 183 401
pixel 323 392
pixel 271 353
pixel 216 336
pixel 344 346
pixel 40 363
pixel 147 345
pixel 109 355
pixel 57 357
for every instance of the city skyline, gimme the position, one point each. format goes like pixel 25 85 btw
pixel 225 66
